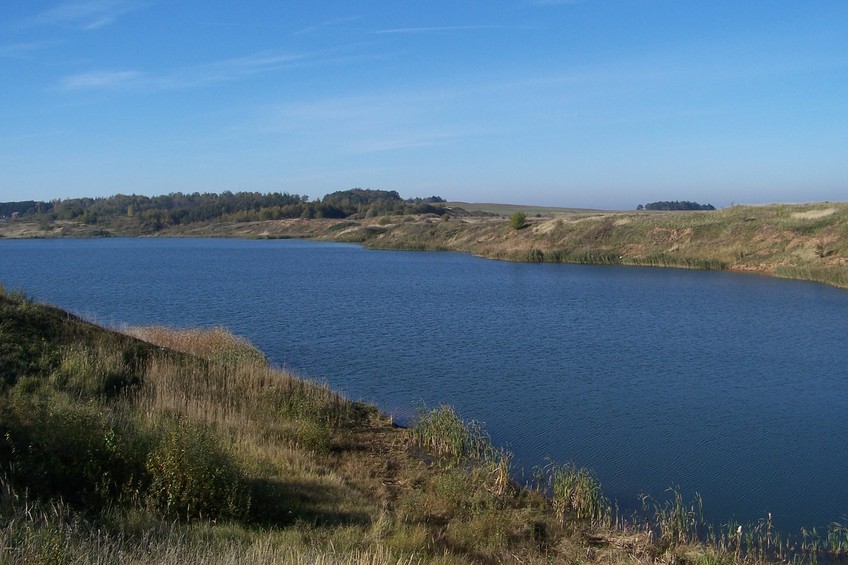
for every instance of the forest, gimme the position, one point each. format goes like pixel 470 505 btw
pixel 158 212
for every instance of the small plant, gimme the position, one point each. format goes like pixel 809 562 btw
pixel 87 371
pixel 518 220
pixel 68 448
pixel 216 344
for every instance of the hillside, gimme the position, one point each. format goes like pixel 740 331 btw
pixel 806 241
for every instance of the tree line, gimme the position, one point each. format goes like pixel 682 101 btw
pixel 675 205
pixel 157 212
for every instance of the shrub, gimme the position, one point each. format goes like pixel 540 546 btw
pixel 518 220
pixel 192 477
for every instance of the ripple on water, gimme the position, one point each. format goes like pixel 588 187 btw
pixel 730 385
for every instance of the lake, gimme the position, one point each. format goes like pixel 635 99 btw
pixel 730 385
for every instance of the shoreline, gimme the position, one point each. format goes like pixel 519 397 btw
pixel 797 241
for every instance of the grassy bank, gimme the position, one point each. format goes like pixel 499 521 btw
pixel 801 241
pixel 795 241
pixel 184 446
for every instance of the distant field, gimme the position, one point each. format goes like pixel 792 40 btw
pixel 507 209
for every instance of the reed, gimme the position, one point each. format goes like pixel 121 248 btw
pixel 444 434
pixel 575 494
pixel 674 521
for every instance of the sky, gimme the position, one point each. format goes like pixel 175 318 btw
pixel 574 103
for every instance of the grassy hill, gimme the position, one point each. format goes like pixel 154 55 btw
pixel 184 446
pixel 803 241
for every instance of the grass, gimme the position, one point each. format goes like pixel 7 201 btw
pixel 184 446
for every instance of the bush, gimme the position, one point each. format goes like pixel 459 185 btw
pixel 518 220
pixel 192 477
pixel 535 255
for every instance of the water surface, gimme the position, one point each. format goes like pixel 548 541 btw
pixel 730 385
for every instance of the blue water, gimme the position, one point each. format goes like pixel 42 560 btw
pixel 729 385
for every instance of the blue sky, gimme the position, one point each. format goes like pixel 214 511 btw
pixel 592 103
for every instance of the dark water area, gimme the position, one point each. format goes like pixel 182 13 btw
pixel 728 385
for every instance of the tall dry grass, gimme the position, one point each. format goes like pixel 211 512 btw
pixel 216 344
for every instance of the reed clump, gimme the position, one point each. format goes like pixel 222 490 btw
pixel 444 434
pixel 575 494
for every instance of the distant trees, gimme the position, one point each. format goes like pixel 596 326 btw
pixel 155 213
pixel 25 208
pixel 675 205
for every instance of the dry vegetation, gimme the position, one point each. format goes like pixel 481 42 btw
pixel 184 446
pixel 794 241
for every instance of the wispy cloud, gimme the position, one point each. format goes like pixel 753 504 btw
pixel 437 29
pixel 410 139
pixel 23 50
pixel 101 80
pixel 230 69
pixel 326 25
pixel 555 2
pixel 374 123
pixel 225 70
pixel 85 14
pixel 34 135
